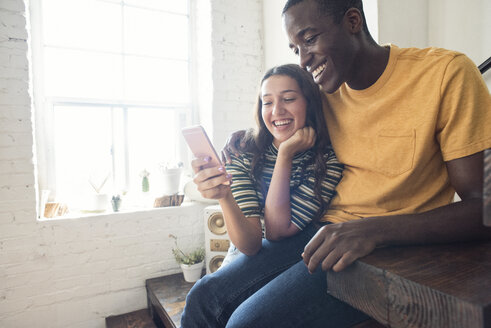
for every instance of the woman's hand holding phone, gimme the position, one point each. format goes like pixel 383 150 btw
pixel 211 177
pixel 213 182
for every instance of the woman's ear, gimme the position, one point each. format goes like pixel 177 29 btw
pixel 353 20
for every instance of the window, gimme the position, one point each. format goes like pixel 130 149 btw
pixel 112 90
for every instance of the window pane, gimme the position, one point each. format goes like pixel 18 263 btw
pixel 82 74
pixel 156 80
pixel 152 140
pixel 177 6
pixel 83 151
pixel 85 24
pixel 156 33
pixel 119 150
pixel 112 62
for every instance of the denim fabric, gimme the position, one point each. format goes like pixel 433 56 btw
pixel 232 254
pixel 270 289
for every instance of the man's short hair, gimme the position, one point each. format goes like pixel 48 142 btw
pixel 334 8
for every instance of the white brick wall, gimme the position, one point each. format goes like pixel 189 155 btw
pixel 237 62
pixel 76 272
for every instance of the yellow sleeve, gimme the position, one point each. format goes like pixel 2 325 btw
pixel 464 121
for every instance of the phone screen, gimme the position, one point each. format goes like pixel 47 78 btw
pixel 200 144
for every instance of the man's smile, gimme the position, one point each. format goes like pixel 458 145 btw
pixel 318 71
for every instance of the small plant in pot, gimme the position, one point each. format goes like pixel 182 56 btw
pixel 191 262
pixel 97 201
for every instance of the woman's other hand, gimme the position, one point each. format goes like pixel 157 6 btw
pixel 302 140
pixel 212 182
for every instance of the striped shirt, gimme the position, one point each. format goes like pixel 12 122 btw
pixel 249 194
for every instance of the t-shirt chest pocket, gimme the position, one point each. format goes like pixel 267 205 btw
pixel 394 151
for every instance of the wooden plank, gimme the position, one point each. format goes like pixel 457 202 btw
pixel 487 188
pixel 426 286
pixel 136 319
pixel 367 294
pixel 167 297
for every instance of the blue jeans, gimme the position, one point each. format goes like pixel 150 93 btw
pixel 271 289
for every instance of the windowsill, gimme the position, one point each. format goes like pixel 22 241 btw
pixel 169 210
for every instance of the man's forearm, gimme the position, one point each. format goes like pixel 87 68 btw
pixel 460 221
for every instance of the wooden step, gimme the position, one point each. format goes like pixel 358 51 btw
pixel 166 298
pixel 136 319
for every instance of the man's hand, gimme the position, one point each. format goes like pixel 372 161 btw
pixel 231 145
pixel 302 140
pixel 335 246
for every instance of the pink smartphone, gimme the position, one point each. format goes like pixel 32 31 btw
pixel 200 144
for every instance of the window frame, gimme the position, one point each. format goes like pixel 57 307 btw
pixel 43 105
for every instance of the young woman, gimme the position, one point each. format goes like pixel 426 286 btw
pixel 278 188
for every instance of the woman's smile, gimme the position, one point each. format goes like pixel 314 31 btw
pixel 284 108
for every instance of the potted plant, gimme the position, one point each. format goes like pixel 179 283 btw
pixel 191 262
pixel 171 175
pixel 98 201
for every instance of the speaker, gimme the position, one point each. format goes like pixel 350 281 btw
pixel 216 238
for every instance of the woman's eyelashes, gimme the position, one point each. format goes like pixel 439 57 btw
pixel 285 100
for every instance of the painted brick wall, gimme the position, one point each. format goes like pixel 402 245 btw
pixel 76 272
pixel 237 64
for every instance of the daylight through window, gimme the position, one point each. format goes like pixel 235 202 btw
pixel 111 82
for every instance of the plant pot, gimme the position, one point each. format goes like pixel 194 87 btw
pixel 116 203
pixel 97 203
pixel 171 180
pixel 192 272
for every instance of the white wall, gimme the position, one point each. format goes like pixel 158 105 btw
pixel 76 272
pixel 236 66
pixel 276 50
pixel 404 23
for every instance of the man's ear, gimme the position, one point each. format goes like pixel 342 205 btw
pixel 353 19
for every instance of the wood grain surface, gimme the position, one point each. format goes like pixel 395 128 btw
pixel 166 298
pixel 447 286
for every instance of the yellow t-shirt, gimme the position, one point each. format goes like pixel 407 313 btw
pixel 429 106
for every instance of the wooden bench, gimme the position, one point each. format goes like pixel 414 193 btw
pixel 447 286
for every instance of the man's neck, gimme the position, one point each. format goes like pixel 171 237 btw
pixel 371 62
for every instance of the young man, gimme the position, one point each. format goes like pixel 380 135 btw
pixel 410 126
